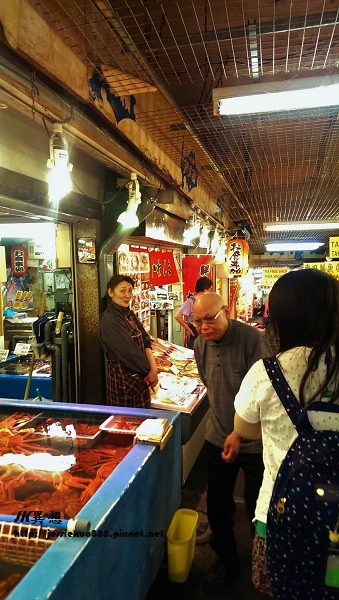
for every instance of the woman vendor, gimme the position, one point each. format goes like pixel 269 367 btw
pixel 131 368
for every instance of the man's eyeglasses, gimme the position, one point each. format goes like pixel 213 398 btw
pixel 207 320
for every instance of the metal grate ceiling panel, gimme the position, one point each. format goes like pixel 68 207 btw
pixel 282 165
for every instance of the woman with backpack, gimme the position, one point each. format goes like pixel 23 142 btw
pixel 302 548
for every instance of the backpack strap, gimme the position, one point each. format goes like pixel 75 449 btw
pixel 285 394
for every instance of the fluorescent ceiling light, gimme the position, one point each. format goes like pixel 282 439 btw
pixel 293 94
pixel 300 225
pixel 291 246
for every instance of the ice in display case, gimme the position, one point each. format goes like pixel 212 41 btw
pixel 128 492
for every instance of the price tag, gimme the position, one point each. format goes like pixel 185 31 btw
pixel 3 355
pixel 174 369
pixel 22 349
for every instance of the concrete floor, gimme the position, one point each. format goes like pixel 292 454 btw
pixel 241 588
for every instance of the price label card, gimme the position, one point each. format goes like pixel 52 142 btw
pixel 22 349
pixel 3 355
pixel 175 369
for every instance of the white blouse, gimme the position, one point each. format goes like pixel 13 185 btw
pixel 257 401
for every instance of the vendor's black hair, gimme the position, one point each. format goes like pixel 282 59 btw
pixel 304 311
pixel 113 282
pixel 202 284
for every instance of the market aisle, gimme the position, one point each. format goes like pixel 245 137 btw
pixel 194 496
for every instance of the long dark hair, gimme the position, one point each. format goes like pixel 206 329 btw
pixel 304 311
pixel 113 282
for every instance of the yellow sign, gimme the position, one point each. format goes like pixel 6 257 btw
pixel 334 247
pixel 332 268
pixel 271 274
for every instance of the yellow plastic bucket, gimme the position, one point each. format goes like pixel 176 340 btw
pixel 181 544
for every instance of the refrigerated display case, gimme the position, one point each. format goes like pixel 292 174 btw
pixel 89 471
pixel 14 375
pixel 181 389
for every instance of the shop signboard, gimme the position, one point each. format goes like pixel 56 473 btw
pixel 193 267
pixel 270 276
pixel 162 268
pixel 237 257
pixel 334 247
pixel 332 267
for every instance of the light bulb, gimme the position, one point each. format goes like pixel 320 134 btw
pixel 59 180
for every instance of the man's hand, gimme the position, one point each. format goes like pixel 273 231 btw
pixel 231 447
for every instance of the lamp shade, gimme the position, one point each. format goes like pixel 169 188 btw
pixel 237 257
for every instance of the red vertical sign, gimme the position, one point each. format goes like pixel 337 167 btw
pixel 194 267
pixel 233 292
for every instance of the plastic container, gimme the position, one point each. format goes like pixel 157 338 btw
pixel 120 424
pixel 181 544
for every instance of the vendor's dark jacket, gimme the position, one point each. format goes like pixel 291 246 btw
pixel 117 341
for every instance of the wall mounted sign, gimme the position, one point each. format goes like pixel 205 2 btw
pixel 134 262
pixel 271 274
pixel 334 247
pixel 332 268
pixel 86 250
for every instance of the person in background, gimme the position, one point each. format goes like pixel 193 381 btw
pixel 225 350
pixel 184 315
pixel 308 338
pixel 265 313
pixel 131 368
pixel 255 306
pixel 269 333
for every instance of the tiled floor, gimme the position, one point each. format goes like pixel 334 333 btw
pixel 241 588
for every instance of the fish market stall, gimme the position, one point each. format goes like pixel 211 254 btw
pixel 85 499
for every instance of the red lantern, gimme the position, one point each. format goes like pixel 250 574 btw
pixel 237 257
pixel 19 260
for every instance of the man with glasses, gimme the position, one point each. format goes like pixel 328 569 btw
pixel 225 350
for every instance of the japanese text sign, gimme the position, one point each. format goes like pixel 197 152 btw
pixel 162 268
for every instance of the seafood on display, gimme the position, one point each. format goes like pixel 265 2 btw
pixel 64 491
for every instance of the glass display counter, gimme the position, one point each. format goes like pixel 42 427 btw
pixel 61 465
pixel 181 389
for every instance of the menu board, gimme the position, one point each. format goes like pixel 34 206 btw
pixel 162 299
pixel 136 265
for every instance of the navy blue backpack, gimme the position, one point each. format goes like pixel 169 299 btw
pixel 303 517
